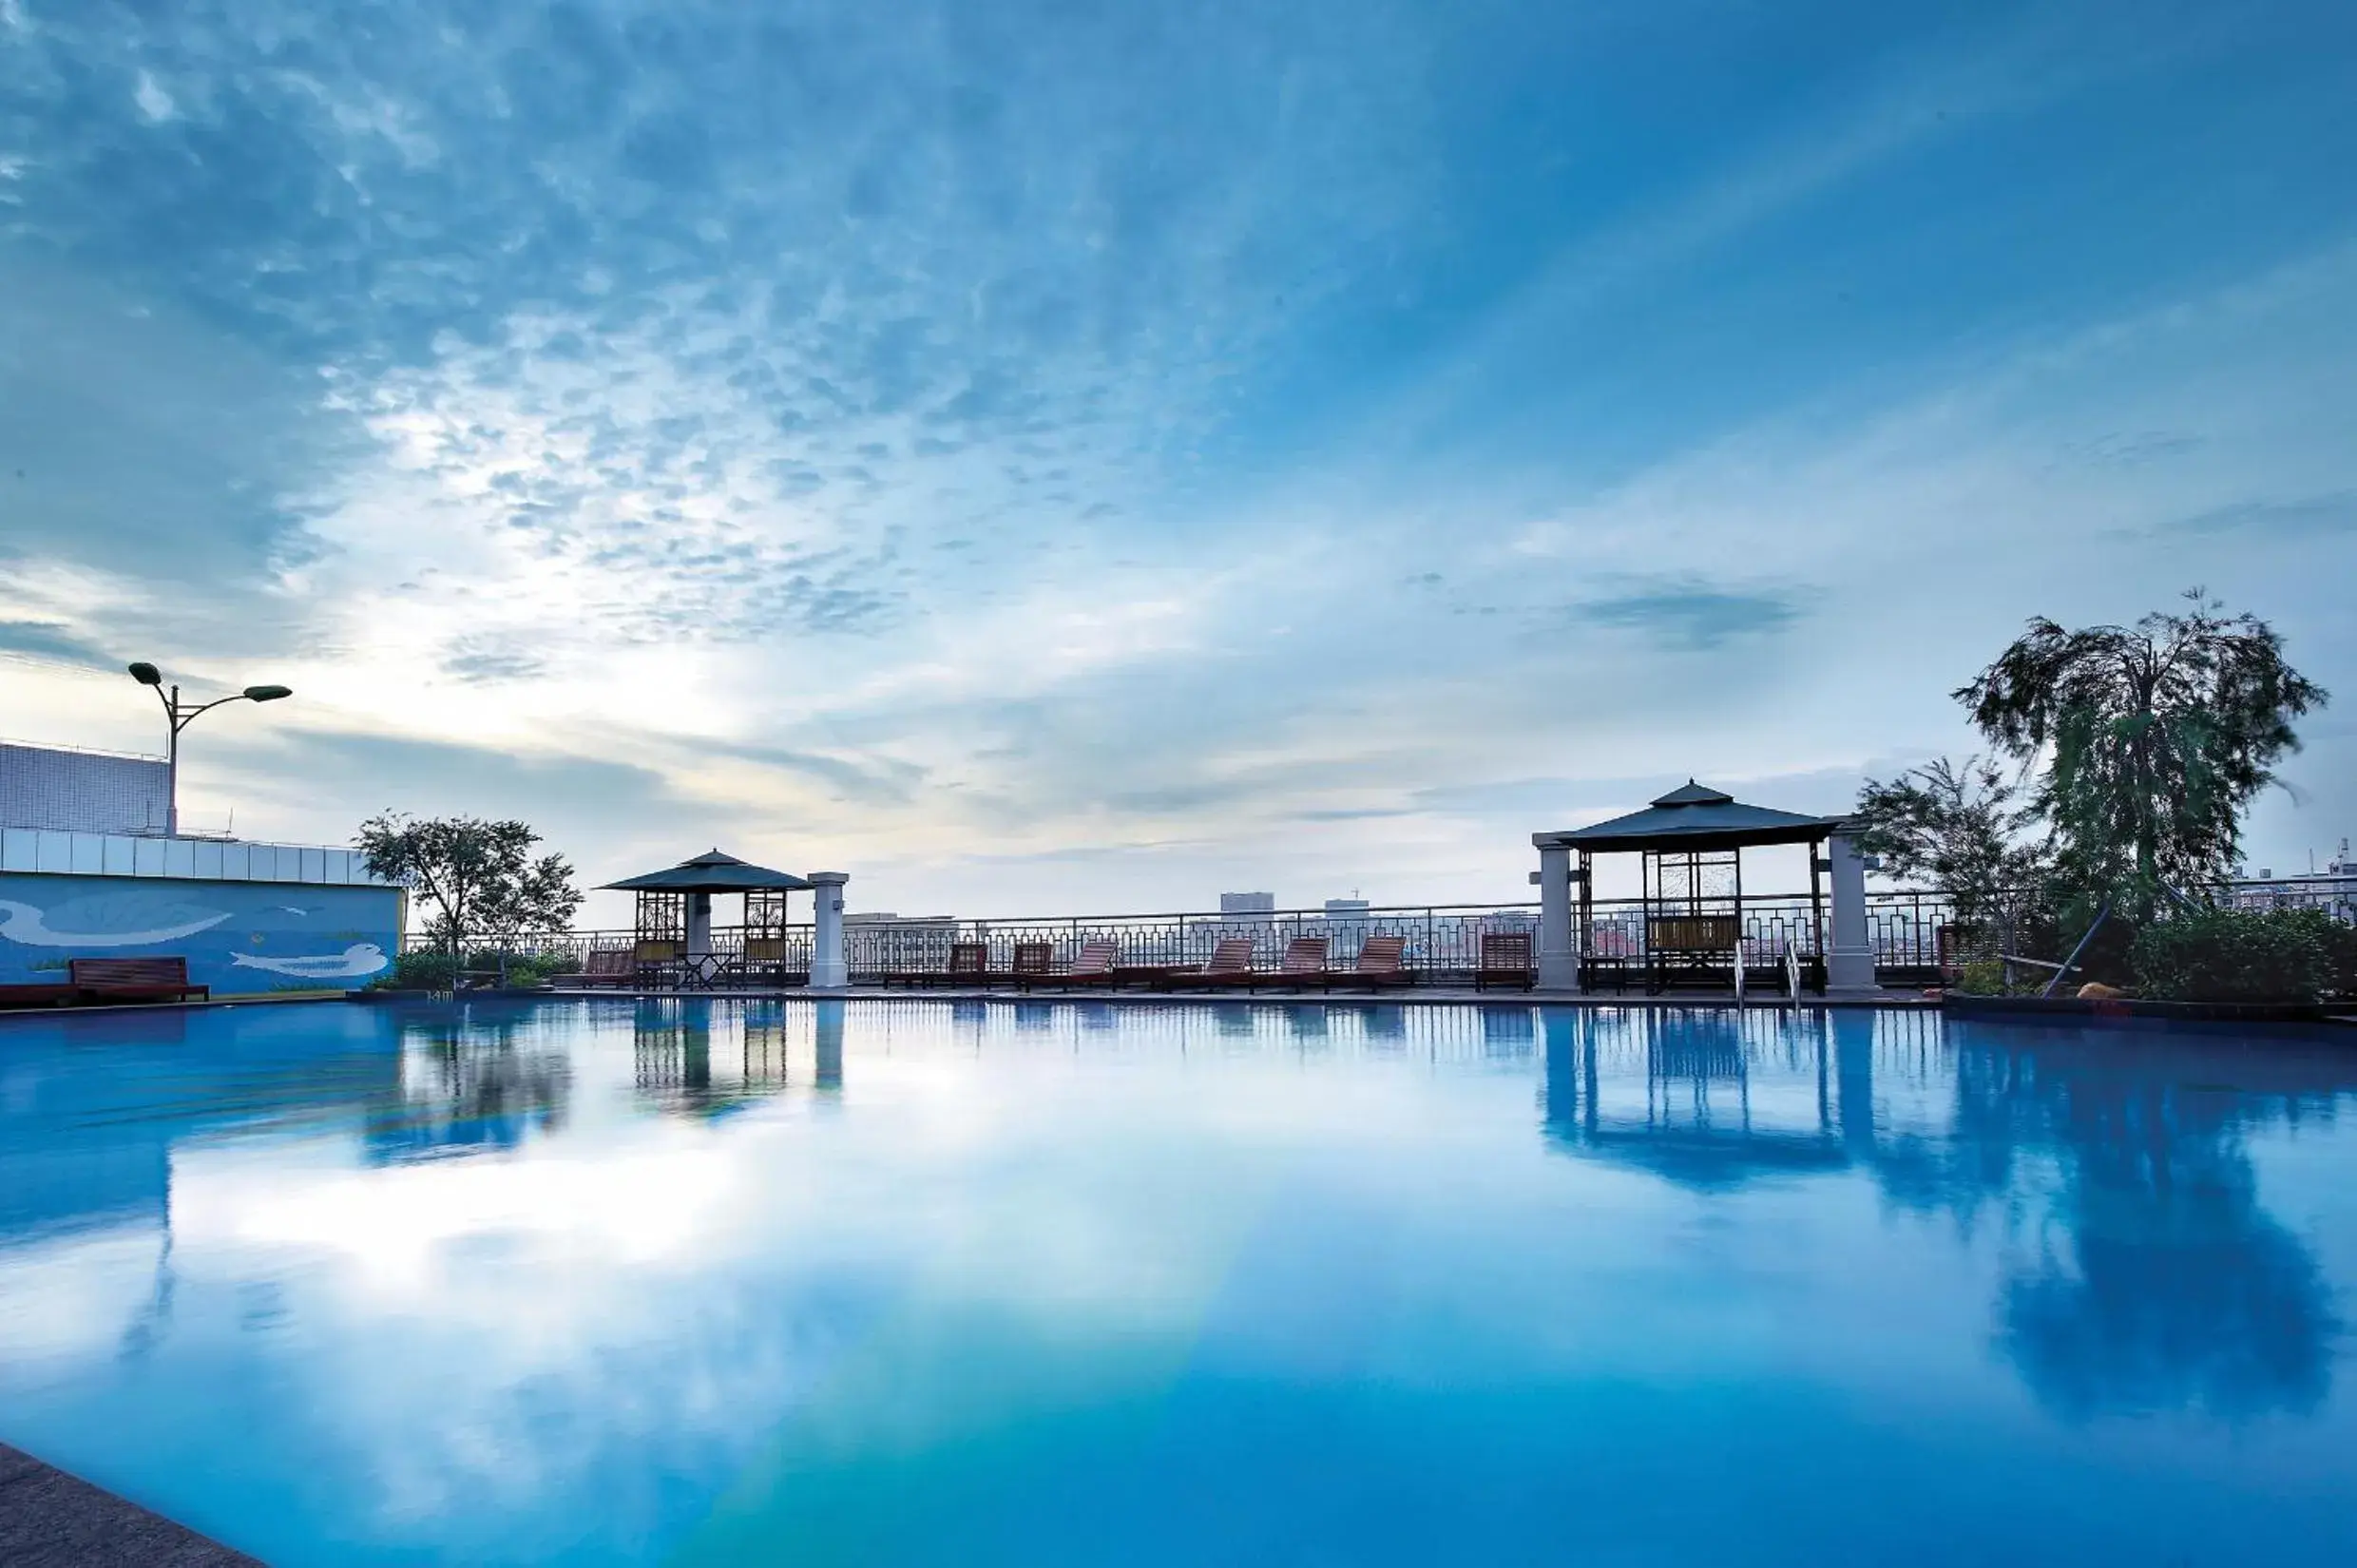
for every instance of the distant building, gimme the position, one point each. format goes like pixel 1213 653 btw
pixel 881 942
pixel 79 792
pixel 1347 924
pixel 2333 888
pixel 1233 906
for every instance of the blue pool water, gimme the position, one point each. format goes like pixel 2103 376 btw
pixel 603 1282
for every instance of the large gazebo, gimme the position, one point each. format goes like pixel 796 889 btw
pixel 1690 921
pixel 673 931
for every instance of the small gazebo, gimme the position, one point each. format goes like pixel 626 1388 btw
pixel 673 924
pixel 1690 846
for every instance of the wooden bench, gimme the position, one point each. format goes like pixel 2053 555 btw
pixel 1690 947
pixel 133 980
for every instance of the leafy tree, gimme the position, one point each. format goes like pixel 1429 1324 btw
pixel 1960 829
pixel 478 879
pixel 2154 738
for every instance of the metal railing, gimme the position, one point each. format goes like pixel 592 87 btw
pixel 1913 934
pixel 1441 942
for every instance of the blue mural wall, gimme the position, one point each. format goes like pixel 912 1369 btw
pixel 238 937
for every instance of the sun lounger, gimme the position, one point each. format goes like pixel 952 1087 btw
pixel 1505 961
pixel 1378 966
pixel 1092 965
pixel 1034 962
pixel 1303 966
pixel 1230 968
pixel 133 980
pixel 969 965
pixel 603 967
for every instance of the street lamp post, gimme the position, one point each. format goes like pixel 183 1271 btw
pixel 178 716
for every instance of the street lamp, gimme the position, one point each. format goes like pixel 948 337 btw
pixel 180 716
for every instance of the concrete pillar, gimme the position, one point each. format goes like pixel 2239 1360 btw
pixel 1559 943
pixel 1850 957
pixel 828 970
pixel 699 925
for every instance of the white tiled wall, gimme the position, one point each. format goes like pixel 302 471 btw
pixel 199 860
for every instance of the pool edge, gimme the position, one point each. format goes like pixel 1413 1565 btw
pixel 49 1518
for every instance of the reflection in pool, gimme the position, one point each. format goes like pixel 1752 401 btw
pixel 609 1282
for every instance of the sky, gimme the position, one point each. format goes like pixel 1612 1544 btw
pixel 1057 456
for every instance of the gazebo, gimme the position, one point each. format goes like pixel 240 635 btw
pixel 673 924
pixel 1689 845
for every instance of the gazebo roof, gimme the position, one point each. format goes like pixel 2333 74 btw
pixel 1694 817
pixel 712 872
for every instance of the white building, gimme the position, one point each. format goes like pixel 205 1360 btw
pixel 67 790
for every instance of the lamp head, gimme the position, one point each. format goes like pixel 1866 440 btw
pixel 146 673
pixel 268 694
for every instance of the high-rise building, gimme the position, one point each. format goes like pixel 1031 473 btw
pixel 70 790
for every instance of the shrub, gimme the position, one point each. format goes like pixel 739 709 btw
pixel 1984 977
pixel 419 969
pixel 429 968
pixel 2341 969
pixel 2238 955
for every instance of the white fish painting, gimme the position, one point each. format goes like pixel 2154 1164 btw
pixel 361 957
pixel 107 920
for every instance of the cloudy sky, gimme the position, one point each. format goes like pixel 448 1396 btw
pixel 1053 454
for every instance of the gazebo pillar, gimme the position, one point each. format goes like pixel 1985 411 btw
pixel 828 970
pixel 1849 956
pixel 698 926
pixel 1558 940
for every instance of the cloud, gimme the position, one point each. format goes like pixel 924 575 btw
pixel 1690 613
pixel 2303 518
pixel 1213 436
pixel 48 641
pixel 481 660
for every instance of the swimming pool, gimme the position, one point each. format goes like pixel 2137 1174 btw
pixel 712 1282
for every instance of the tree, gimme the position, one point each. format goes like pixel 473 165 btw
pixel 479 878
pixel 1961 829
pixel 2154 739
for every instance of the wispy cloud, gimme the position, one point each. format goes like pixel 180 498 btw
pixel 48 640
pixel 1690 613
pixel 2305 517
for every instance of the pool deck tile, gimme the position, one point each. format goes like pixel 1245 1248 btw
pixel 51 1520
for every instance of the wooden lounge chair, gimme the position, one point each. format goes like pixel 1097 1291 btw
pixel 1230 968
pixel 1505 961
pixel 1034 963
pixel 1378 965
pixel 602 967
pixel 1304 966
pixel 133 980
pixel 1092 965
pixel 37 996
pixel 969 965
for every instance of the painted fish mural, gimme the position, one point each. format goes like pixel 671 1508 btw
pixel 115 919
pixel 361 957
